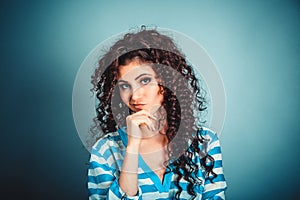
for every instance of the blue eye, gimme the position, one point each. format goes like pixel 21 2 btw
pixel 123 86
pixel 145 81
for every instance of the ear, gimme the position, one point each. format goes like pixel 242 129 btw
pixel 161 89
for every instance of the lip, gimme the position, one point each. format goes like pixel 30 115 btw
pixel 138 106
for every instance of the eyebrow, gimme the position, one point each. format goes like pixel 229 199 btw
pixel 142 75
pixel 136 77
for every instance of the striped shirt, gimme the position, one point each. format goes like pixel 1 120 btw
pixel 106 160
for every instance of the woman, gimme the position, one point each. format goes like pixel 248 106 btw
pixel 153 146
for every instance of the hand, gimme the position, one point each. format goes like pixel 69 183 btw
pixel 139 126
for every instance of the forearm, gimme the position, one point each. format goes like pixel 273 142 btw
pixel 137 123
pixel 128 180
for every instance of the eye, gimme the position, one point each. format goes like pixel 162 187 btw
pixel 145 81
pixel 124 86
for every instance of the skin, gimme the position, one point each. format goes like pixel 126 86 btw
pixel 140 91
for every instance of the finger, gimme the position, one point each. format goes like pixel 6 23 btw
pixel 143 120
pixel 144 113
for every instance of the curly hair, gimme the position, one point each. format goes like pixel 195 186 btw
pixel 183 100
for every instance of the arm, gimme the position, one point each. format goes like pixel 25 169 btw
pixel 215 190
pixel 129 175
pixel 103 181
pixel 137 125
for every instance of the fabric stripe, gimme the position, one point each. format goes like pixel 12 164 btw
pixel 106 160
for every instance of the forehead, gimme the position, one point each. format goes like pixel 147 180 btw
pixel 134 69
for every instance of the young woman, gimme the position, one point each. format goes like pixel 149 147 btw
pixel 153 146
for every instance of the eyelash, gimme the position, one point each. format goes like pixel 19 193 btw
pixel 147 79
pixel 124 86
pixel 143 81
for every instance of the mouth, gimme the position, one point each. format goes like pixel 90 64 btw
pixel 138 106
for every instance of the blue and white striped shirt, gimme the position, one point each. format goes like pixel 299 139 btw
pixel 106 160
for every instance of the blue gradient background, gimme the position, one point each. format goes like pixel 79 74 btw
pixel 255 45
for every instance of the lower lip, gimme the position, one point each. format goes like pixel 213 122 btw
pixel 139 106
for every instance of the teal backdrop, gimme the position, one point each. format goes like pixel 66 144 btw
pixel 255 45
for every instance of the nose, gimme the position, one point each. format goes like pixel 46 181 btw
pixel 137 93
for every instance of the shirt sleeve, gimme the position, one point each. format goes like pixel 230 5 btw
pixel 103 181
pixel 215 190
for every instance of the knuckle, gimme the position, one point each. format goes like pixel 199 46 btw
pixel 128 118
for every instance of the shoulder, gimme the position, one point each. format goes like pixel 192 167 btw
pixel 108 141
pixel 108 151
pixel 210 139
pixel 207 134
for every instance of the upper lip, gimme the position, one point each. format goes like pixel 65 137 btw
pixel 137 104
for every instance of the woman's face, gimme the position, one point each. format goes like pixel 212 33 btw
pixel 138 87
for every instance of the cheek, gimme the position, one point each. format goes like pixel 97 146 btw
pixel 124 97
pixel 160 94
pixel 161 98
pixel 158 97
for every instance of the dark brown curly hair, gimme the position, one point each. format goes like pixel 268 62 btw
pixel 183 100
